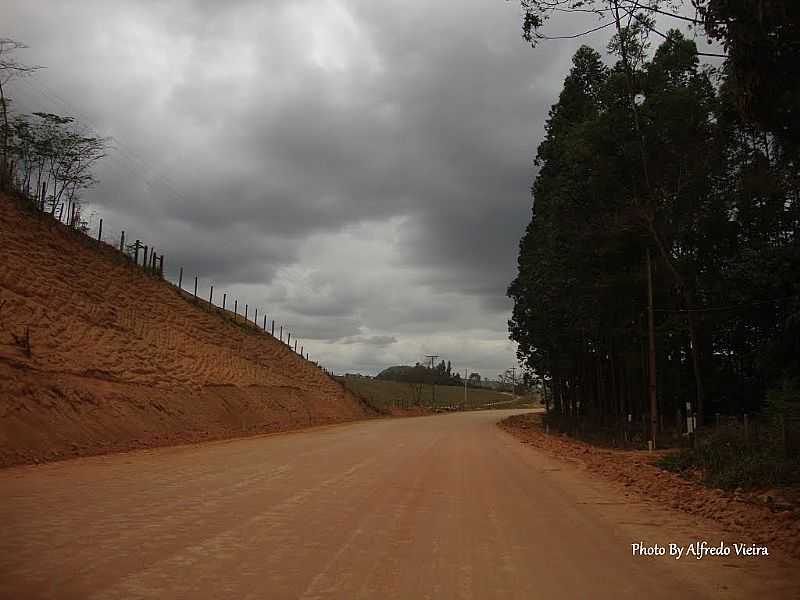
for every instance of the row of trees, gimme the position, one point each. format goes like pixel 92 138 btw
pixel 46 157
pixel 667 201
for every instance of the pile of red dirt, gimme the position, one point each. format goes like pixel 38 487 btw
pixel 772 524
pixel 98 356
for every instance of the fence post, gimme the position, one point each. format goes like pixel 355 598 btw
pixel 295 345
pixel 289 339
pixel 211 295
pixel 235 308
pixel 273 328
pixel 136 247
pixel 180 279
pixel 281 336
pixel 161 266
pixel 122 242
pixel 301 351
pixel 195 286
pixel 100 232
pixel 265 323
pixel 144 259
pixel 224 298
pixel 245 311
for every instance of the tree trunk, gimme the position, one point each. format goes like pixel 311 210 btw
pixel 651 352
pixel 4 160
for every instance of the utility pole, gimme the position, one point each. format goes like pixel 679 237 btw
pixel 432 357
pixel 651 331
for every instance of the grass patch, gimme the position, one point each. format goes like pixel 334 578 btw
pixel 728 460
pixel 383 394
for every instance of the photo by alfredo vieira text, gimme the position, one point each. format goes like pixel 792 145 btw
pixel 698 550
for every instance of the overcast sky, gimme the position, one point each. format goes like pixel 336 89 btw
pixel 359 169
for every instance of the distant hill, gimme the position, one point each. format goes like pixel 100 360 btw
pixel 440 374
pixel 96 355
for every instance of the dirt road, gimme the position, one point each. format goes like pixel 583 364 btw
pixel 447 506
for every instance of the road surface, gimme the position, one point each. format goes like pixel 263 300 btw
pixel 447 506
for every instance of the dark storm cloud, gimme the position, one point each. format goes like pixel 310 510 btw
pixel 360 168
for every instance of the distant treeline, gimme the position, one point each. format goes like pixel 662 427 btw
pixel 441 374
pixel 659 168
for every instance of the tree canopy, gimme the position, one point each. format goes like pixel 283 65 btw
pixel 709 191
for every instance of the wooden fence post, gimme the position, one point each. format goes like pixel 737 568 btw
pixel 136 252
pixel 100 232
pixel 281 335
pixel 180 279
pixel 195 286
pixel 144 259
pixel 235 308
pixel 211 296
pixel 295 345
pixel 273 328
pixel 122 242
pixel 301 351
pixel 265 323
pixel 245 311
pixel 224 298
pixel 289 339
pixel 161 266
pixel 255 317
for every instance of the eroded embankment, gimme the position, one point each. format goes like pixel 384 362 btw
pixel 120 359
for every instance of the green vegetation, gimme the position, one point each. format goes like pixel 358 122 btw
pixel 727 460
pixel 757 454
pixel 441 374
pixel 658 168
pixel 44 157
pixel 384 395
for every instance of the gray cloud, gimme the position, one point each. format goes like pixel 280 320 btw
pixel 359 170
pixel 374 340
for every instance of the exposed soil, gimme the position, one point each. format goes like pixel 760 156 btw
pixel 120 359
pixel 775 523
pixel 447 507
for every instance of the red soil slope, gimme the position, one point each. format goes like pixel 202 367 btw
pixel 120 359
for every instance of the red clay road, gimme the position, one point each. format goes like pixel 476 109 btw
pixel 447 506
